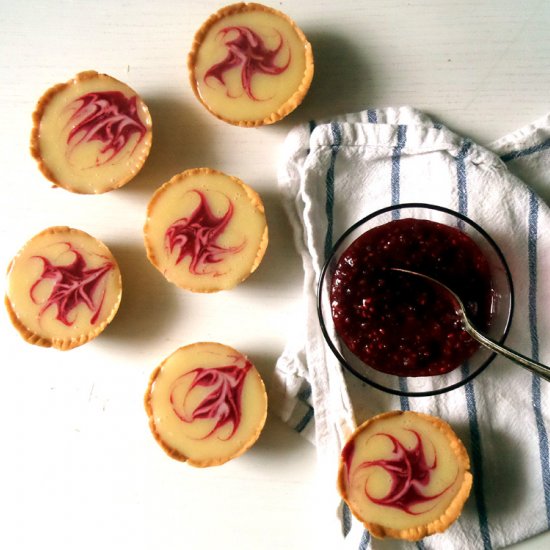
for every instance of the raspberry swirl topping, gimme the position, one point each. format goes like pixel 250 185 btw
pixel 73 284
pixel 408 471
pixel 197 236
pixel 247 49
pixel 108 117
pixel 222 401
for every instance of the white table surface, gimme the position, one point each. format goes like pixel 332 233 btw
pixel 78 466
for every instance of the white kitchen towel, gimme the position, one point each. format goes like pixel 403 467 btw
pixel 331 175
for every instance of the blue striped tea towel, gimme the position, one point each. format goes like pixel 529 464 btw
pixel 335 173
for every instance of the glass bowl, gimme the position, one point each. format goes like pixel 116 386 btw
pixel 501 302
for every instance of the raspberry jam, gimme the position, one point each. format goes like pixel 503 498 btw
pixel 405 325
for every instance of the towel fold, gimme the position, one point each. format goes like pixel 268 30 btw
pixel 335 173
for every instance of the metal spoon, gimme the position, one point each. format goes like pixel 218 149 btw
pixel 538 368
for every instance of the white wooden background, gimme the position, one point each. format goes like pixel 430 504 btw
pixel 78 467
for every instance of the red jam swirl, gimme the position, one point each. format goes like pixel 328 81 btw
pixel 247 50
pixel 196 236
pixel 73 284
pixel 409 473
pixel 222 402
pixel 404 325
pixel 108 117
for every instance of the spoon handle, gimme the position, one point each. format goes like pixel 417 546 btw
pixel 538 368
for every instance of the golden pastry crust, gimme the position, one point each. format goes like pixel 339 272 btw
pixel 170 451
pixel 63 344
pixel 452 512
pixel 38 113
pixel 175 453
pixel 292 102
pixel 252 196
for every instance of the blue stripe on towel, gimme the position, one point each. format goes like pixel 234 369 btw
pixel 395 197
pixel 372 117
pixel 304 395
pixel 512 155
pixel 403 399
pixel 365 539
pixel 396 167
pixel 536 394
pixel 461 176
pixel 346 519
pixel 312 126
pixel 477 461
pixel 301 426
pixel 477 465
pixel 336 142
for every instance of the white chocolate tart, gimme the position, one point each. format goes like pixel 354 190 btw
pixel 64 287
pixel 206 404
pixel 250 64
pixel 91 134
pixel 205 231
pixel 405 475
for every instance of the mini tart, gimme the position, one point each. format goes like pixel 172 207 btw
pixel 405 475
pixel 250 65
pixel 91 134
pixel 205 231
pixel 206 404
pixel 64 287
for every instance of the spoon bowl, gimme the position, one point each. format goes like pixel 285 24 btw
pixel 534 366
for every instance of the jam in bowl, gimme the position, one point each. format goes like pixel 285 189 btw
pixel 402 333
